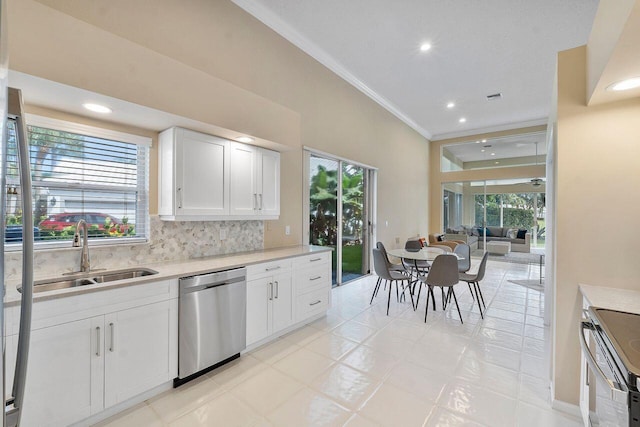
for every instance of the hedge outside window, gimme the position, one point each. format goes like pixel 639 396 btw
pixel 79 172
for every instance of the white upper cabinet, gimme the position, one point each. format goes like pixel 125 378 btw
pixel 255 181
pixel 193 174
pixel 202 177
pixel 269 183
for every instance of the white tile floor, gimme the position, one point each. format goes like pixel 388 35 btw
pixel 359 367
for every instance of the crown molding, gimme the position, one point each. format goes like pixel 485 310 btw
pixel 497 128
pixel 274 22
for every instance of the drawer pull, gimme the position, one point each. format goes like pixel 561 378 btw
pixel 316 278
pixel 315 259
pixel 315 303
pixel 272 268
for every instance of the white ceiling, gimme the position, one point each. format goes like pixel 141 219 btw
pixel 513 146
pixel 479 48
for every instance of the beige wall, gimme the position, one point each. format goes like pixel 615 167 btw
pixel 437 177
pixel 212 62
pixel 597 182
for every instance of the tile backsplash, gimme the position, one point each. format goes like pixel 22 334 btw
pixel 169 241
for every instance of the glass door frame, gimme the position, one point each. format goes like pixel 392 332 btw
pixel 369 207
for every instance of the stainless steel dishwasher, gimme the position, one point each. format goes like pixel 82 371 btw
pixel 212 328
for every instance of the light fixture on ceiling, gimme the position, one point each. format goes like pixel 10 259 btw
pixel 537 182
pixel 477 142
pixel 244 139
pixel 462 120
pixel 97 108
pixel 625 84
pixel 493 154
pixel 497 163
pixel 425 47
pixel 484 140
pixel 483 150
pixel 450 105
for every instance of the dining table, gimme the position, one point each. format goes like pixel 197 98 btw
pixel 427 253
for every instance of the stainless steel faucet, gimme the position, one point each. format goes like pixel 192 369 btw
pixel 85 264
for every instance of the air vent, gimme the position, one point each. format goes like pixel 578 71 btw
pixel 494 97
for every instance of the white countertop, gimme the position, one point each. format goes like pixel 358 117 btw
pixel 627 300
pixel 175 269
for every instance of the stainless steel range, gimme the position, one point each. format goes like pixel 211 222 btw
pixel 612 351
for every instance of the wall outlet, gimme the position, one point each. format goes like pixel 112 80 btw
pixel 223 234
pixel 397 240
pixel 287 230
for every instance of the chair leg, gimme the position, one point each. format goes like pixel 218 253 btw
pixel 444 303
pixel 426 309
pixel 456 301
pixel 397 292
pixel 389 298
pixel 470 291
pixel 418 296
pixel 410 294
pixel 375 290
pixel 481 296
pixel 433 298
pixel 478 299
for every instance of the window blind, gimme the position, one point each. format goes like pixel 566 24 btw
pixel 80 176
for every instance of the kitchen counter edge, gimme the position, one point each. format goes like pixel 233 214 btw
pixel 627 300
pixel 176 269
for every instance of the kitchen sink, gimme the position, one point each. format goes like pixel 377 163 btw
pixel 90 278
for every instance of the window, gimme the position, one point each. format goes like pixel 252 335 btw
pixel 80 173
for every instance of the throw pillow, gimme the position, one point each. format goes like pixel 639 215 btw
pixel 521 234
pixel 488 232
pixel 512 233
pixel 440 238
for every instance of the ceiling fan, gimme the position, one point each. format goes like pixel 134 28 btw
pixel 537 182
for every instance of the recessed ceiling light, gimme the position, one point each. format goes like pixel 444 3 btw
pixel 497 163
pixel 477 142
pixel 493 154
pixel 425 47
pixel 97 108
pixel 484 140
pixel 244 139
pixel 451 105
pixel 625 84
pixel 462 120
pixel 483 150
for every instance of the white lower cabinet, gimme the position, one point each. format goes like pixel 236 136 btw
pixel 65 373
pixel 79 368
pixel 137 350
pixel 300 290
pixel 269 306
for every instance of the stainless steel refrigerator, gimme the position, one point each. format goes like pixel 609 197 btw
pixel 11 115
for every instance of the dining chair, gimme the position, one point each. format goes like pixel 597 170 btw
pixel 464 260
pixel 415 266
pixel 475 280
pixel 399 267
pixel 383 272
pixel 443 274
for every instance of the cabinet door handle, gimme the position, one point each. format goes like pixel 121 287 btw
pixel 113 331
pixel 179 191
pixel 255 201
pixel 260 201
pixel 315 259
pixel 270 291
pixel 272 268
pixel 315 303
pixel 97 340
pixel 277 289
pixel 316 278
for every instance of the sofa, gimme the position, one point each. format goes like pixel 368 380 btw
pixel 436 240
pixel 473 236
pixel 469 239
pixel 505 234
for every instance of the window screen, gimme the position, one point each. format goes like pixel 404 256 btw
pixel 77 176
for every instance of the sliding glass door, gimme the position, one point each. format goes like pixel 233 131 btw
pixel 339 211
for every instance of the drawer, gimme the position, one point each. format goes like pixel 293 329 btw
pixel 311 304
pixel 310 260
pixel 312 278
pixel 268 268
